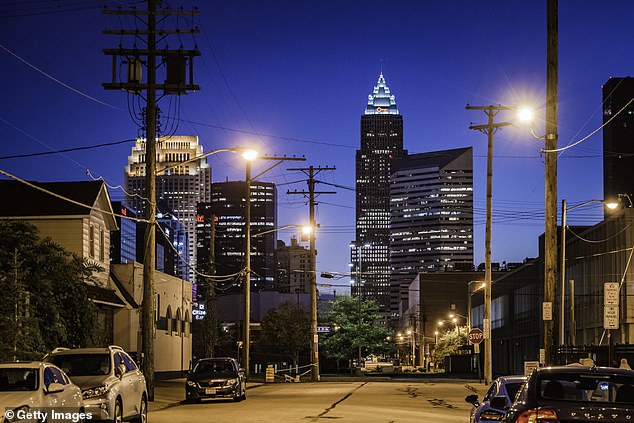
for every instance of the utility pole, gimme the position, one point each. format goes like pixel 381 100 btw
pixel 490 128
pixel 175 83
pixel 314 342
pixel 550 151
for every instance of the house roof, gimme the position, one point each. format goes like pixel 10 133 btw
pixel 22 200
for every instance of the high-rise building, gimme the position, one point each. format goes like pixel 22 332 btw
pixel 431 218
pixel 182 181
pixel 123 241
pixel 227 210
pixel 293 267
pixel 381 144
pixel 618 138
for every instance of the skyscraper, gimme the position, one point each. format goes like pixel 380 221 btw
pixel 618 138
pixel 182 181
pixel 227 211
pixel 381 144
pixel 431 217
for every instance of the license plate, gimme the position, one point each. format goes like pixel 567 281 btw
pixel 210 391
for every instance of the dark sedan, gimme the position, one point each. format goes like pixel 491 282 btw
pixel 576 394
pixel 216 378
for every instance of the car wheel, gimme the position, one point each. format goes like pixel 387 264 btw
pixel 142 417
pixel 237 396
pixel 118 412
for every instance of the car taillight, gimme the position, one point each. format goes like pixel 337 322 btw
pixel 538 415
pixel 491 415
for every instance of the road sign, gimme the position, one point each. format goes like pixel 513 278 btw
pixel 610 317
pixel 547 310
pixel 611 294
pixel 323 329
pixel 476 335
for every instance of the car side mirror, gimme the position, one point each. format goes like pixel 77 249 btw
pixel 472 399
pixel 54 387
pixel 498 402
pixel 120 370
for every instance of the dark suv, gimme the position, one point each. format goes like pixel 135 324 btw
pixel 216 378
pixel 573 394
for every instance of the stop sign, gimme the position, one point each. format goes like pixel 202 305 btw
pixel 476 335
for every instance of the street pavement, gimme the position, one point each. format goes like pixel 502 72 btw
pixel 351 400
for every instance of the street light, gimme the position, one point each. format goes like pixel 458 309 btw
pixel 489 129
pixel 410 333
pixel 249 156
pixel 562 266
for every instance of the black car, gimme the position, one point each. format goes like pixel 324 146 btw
pixel 576 394
pixel 216 378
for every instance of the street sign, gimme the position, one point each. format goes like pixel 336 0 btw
pixel 476 335
pixel 611 294
pixel 547 310
pixel 529 366
pixel 610 317
pixel 323 329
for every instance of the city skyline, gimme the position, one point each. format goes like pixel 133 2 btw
pixel 299 75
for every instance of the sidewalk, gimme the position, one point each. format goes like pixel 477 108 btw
pixel 171 392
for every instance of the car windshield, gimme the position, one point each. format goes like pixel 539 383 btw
pixel 214 367
pixel 592 387
pixel 18 379
pixel 82 364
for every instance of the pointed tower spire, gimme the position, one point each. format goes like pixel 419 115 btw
pixel 381 101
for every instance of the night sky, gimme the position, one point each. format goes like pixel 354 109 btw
pixel 292 77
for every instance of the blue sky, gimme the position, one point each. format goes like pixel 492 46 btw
pixel 292 77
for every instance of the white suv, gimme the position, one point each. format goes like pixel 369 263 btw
pixel 112 385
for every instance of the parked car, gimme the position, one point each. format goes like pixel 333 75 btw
pixel 112 385
pixel 505 386
pixel 216 378
pixel 574 394
pixel 28 386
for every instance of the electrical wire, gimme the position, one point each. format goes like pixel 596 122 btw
pixel 70 200
pixel 32 66
pixel 591 133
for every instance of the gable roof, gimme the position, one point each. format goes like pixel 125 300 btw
pixel 21 200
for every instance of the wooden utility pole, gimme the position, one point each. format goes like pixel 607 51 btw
pixel 175 83
pixel 314 341
pixel 490 128
pixel 550 234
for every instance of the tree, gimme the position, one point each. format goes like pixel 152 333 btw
pixel 354 324
pixel 286 328
pixel 449 343
pixel 45 302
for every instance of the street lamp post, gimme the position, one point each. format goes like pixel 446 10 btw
pixel 247 267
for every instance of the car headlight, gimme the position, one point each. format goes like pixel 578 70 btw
pixel 232 381
pixel 94 392
pixel 192 383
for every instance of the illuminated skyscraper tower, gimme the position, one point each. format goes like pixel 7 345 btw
pixel 182 181
pixel 381 144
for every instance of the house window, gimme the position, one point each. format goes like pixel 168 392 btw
pixel 91 241
pixel 102 243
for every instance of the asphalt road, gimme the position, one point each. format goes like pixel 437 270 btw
pixel 358 401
